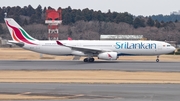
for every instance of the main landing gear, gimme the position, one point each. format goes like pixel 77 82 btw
pixel 89 60
pixel 157 60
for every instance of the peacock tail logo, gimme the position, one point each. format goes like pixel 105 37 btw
pixel 20 35
pixel 109 55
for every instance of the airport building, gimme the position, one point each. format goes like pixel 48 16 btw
pixel 122 37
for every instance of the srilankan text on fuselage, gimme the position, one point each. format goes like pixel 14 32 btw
pixel 135 45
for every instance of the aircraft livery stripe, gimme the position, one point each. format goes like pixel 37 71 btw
pixel 24 33
pixel 14 37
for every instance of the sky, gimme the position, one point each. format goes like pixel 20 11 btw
pixel 134 7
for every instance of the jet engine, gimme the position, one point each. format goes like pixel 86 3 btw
pixel 108 56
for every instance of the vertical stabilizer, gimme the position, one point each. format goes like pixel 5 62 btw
pixel 18 34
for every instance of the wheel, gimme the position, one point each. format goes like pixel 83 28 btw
pixel 91 59
pixel 86 60
pixel 157 60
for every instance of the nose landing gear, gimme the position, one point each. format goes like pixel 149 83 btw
pixel 157 60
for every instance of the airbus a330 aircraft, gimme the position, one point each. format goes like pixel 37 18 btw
pixel 103 49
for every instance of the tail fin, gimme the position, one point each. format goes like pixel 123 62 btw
pixel 18 34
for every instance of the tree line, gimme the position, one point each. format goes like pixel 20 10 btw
pixel 29 15
pixel 90 24
pixel 166 18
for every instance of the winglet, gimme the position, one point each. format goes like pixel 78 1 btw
pixel 69 38
pixel 59 43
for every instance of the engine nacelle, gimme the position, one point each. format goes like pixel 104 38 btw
pixel 108 56
pixel 78 53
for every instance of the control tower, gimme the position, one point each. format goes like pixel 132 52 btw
pixel 53 19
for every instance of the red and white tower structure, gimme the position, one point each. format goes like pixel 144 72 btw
pixel 53 19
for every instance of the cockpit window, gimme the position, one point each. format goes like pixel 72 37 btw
pixel 168 45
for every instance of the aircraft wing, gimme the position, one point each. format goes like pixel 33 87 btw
pixel 10 42
pixel 83 49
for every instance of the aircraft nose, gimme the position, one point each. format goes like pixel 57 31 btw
pixel 173 49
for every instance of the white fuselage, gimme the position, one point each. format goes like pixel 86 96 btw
pixel 122 47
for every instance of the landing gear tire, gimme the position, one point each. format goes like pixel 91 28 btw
pixel 89 60
pixel 86 60
pixel 157 60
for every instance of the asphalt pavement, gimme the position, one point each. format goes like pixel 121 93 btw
pixel 97 92
pixel 97 65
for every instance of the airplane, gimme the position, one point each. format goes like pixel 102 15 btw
pixel 103 49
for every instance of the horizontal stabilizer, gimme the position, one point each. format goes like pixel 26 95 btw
pixel 20 44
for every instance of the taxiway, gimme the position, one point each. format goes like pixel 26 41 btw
pixel 97 65
pixel 96 92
